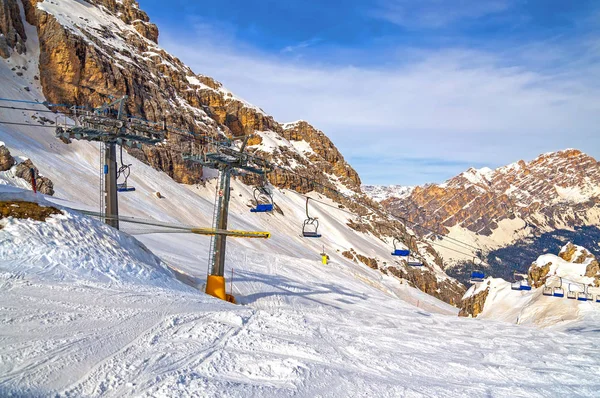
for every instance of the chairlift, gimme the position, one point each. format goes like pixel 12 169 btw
pixel 124 171
pixel 414 262
pixel 581 296
pixel 598 298
pixel 571 294
pixel 399 252
pixel 559 291
pixel 548 291
pixel 477 276
pixel 310 227
pixel 263 199
pixel 521 285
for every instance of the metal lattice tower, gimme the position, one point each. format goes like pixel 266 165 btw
pixel 110 127
pixel 223 156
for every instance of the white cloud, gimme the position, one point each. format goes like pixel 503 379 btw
pixel 435 13
pixel 454 107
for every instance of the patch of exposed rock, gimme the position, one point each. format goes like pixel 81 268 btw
pixel 44 184
pixel 472 305
pixel 6 159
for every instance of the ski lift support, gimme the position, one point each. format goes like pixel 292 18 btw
pixel 229 160
pixel 106 126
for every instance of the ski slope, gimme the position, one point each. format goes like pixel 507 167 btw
pixel 304 329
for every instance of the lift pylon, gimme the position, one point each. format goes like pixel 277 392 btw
pixel 224 157
pixel 110 128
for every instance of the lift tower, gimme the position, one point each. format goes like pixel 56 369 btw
pixel 111 127
pixel 223 156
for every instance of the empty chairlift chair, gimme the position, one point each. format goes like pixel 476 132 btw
pixel 399 252
pixel 598 298
pixel 477 276
pixel 414 262
pixel 263 199
pixel 585 296
pixel 125 171
pixel 559 291
pixel 571 294
pixel 310 227
pixel 521 285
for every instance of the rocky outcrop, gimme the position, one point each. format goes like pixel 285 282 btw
pixel 43 184
pixel 538 273
pixel 26 210
pixel 472 305
pixel 324 151
pixel 6 159
pixel 12 31
pixel 447 290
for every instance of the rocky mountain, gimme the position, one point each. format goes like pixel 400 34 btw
pixel 90 52
pixel 491 209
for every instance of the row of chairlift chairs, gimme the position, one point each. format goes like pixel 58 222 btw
pixel 559 291
pixel 263 198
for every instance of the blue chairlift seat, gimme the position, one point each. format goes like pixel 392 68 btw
pixel 559 292
pixel 401 253
pixel 598 298
pixel 262 208
pixel 477 276
pixel 525 286
pixel 310 234
pixel 581 296
pixel 124 188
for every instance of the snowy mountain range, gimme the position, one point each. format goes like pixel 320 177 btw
pixel 492 209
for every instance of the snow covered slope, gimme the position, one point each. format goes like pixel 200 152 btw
pixel 305 330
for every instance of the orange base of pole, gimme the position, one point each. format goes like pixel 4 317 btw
pixel 215 286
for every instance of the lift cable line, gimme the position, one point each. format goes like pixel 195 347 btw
pixel 95 126
pixel 402 219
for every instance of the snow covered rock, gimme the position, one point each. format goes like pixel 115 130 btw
pixel 557 276
pixel 39 240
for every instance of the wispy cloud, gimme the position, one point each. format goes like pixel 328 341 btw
pixel 435 13
pixel 303 44
pixel 465 106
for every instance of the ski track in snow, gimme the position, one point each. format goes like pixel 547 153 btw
pixel 294 337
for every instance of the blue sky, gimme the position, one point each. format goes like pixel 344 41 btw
pixel 411 91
